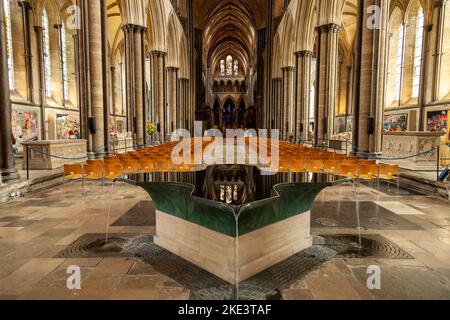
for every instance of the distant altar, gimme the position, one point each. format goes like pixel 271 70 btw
pixel 121 142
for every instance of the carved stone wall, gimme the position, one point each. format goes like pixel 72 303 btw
pixel 53 154
pixel 399 145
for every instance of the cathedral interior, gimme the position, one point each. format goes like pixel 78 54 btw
pixel 350 98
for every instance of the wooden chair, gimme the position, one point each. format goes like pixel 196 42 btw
pixel 314 166
pixel 112 171
pixel 73 172
pixel 95 161
pixel 147 166
pixel 163 166
pixel 366 174
pixel 111 160
pixel 298 166
pixel 93 172
pixel 332 167
pixel 389 173
pixel 130 166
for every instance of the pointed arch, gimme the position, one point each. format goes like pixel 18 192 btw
pixel 306 21
pixel 288 41
pixel 156 26
pixel 172 41
pixel 277 58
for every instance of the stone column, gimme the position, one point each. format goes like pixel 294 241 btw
pixel 187 120
pixel 370 79
pixel 105 76
pixel 26 7
pixel 159 88
pixel 7 169
pixel 327 58
pixel 441 6
pixel 172 80
pixel 275 119
pixel 288 102
pixel 42 95
pixel 91 75
pixel 424 80
pixel 303 91
pixel 135 85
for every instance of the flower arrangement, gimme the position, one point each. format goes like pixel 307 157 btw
pixel 151 129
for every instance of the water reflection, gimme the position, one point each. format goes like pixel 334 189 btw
pixel 234 184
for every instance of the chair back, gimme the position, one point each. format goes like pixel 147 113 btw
pixel 72 169
pixel 93 170
pixel 112 171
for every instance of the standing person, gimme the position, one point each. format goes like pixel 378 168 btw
pixel 14 142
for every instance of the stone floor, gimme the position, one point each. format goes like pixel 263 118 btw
pixel 36 233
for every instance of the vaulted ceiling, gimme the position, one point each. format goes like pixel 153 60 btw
pixel 229 28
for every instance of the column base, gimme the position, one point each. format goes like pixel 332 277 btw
pixel 96 155
pixel 367 155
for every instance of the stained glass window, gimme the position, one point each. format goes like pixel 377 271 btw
pixel 399 65
pixel 46 53
pixel 312 101
pixel 222 67
pixel 236 67
pixel 64 63
pixel 229 66
pixel 418 53
pixel 9 47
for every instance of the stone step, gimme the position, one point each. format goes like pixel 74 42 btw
pixel 424 186
pixel 15 189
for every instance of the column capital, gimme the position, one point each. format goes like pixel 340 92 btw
pixel 304 53
pixel 24 4
pixel 329 27
pixel 173 69
pixel 57 26
pixel 288 68
pixel 441 3
pixel 133 27
pixel 158 53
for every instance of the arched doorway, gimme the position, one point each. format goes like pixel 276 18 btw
pixel 229 110
pixel 241 114
pixel 216 112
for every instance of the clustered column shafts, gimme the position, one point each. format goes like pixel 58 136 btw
pixel 158 90
pixel 186 116
pixel 92 72
pixel 172 80
pixel 369 87
pixel 303 92
pixel 287 110
pixel 276 118
pixel 135 85
pixel 441 5
pixel 42 94
pixel 7 169
pixel 327 59
pixel 26 7
pixel 265 119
